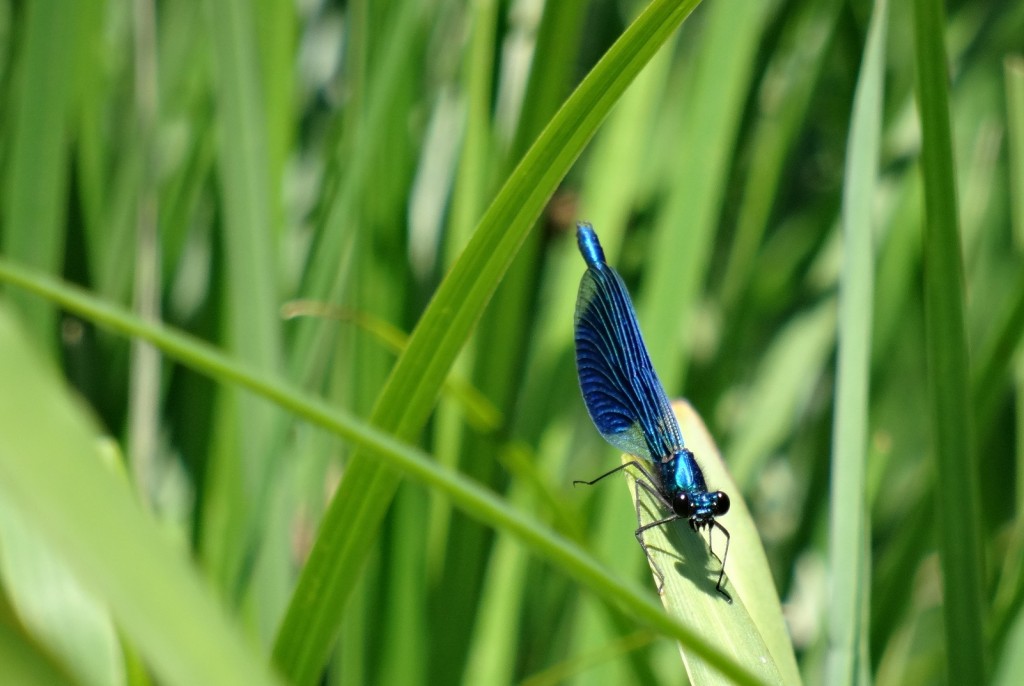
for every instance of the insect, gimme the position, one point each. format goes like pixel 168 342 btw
pixel 629 407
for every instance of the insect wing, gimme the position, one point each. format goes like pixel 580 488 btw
pixel 622 393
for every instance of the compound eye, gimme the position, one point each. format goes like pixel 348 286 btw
pixel 683 506
pixel 721 504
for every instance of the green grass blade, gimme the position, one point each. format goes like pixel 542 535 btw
pixel 1008 603
pixel 252 297
pixel 849 561
pixel 51 470
pixel 476 501
pixel 35 173
pixel 959 516
pixel 751 629
pixel 351 522
pixel 277 26
pixel 1014 73
pixel 1015 105
pixel 995 356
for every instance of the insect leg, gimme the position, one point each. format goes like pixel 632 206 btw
pixel 641 527
pixel 721 573
pixel 633 463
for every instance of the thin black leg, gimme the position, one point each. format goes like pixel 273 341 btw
pixel 633 463
pixel 711 549
pixel 725 555
pixel 641 527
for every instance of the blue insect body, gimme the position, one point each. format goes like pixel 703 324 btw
pixel 628 405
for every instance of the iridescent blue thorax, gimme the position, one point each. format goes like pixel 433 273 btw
pixel 680 475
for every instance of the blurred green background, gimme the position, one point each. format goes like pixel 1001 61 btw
pixel 292 181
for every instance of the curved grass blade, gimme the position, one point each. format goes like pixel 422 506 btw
pixel 51 471
pixel 751 629
pixel 479 411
